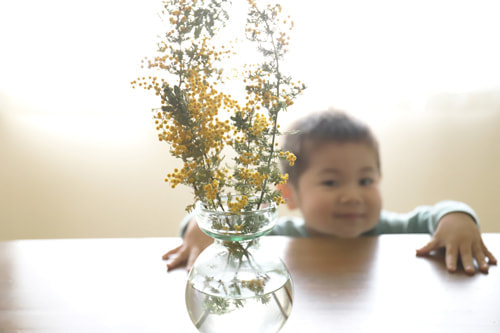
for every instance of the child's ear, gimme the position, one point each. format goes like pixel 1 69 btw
pixel 287 194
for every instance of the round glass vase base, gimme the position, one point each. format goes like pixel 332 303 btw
pixel 237 284
pixel 266 313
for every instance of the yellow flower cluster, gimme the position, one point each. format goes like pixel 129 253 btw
pixel 179 176
pixel 205 133
pixel 274 11
pixel 253 177
pixel 190 71
pixel 237 206
pixel 283 39
pixel 248 158
pixel 290 157
pixel 279 200
pixel 211 190
pixel 260 124
pixel 284 179
pixel 254 99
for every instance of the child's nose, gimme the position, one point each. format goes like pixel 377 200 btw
pixel 350 194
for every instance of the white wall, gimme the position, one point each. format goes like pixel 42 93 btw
pixel 78 151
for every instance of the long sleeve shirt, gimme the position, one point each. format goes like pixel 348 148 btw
pixel 423 219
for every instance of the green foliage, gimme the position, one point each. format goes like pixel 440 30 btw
pixel 189 65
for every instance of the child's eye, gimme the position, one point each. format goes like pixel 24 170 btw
pixel 329 183
pixel 366 181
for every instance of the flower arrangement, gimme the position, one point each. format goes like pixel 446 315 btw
pixel 228 148
pixel 229 152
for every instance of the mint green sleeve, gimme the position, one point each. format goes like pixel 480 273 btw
pixel 289 226
pixel 184 223
pixel 423 219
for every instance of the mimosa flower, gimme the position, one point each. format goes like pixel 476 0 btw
pixel 228 147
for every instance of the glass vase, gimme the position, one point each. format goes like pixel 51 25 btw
pixel 236 284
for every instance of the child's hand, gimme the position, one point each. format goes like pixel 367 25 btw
pixel 193 243
pixel 459 235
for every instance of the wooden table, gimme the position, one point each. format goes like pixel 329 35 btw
pixel 374 284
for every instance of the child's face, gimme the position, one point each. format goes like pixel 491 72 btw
pixel 338 194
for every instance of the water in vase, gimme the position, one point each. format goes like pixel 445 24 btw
pixel 262 313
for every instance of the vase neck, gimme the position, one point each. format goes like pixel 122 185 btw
pixel 244 243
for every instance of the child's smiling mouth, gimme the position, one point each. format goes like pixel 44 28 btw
pixel 349 215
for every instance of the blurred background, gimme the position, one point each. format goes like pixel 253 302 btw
pixel 79 155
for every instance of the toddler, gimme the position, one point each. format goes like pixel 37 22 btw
pixel 335 185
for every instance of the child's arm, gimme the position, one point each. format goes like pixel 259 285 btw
pixel 194 241
pixel 459 235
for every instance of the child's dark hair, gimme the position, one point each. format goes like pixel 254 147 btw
pixel 317 128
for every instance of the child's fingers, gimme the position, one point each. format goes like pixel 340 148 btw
pixel 451 258
pixel 178 257
pixel 173 251
pixel 480 256
pixel 491 258
pixel 427 248
pixel 467 260
pixel 191 259
pixel 178 261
